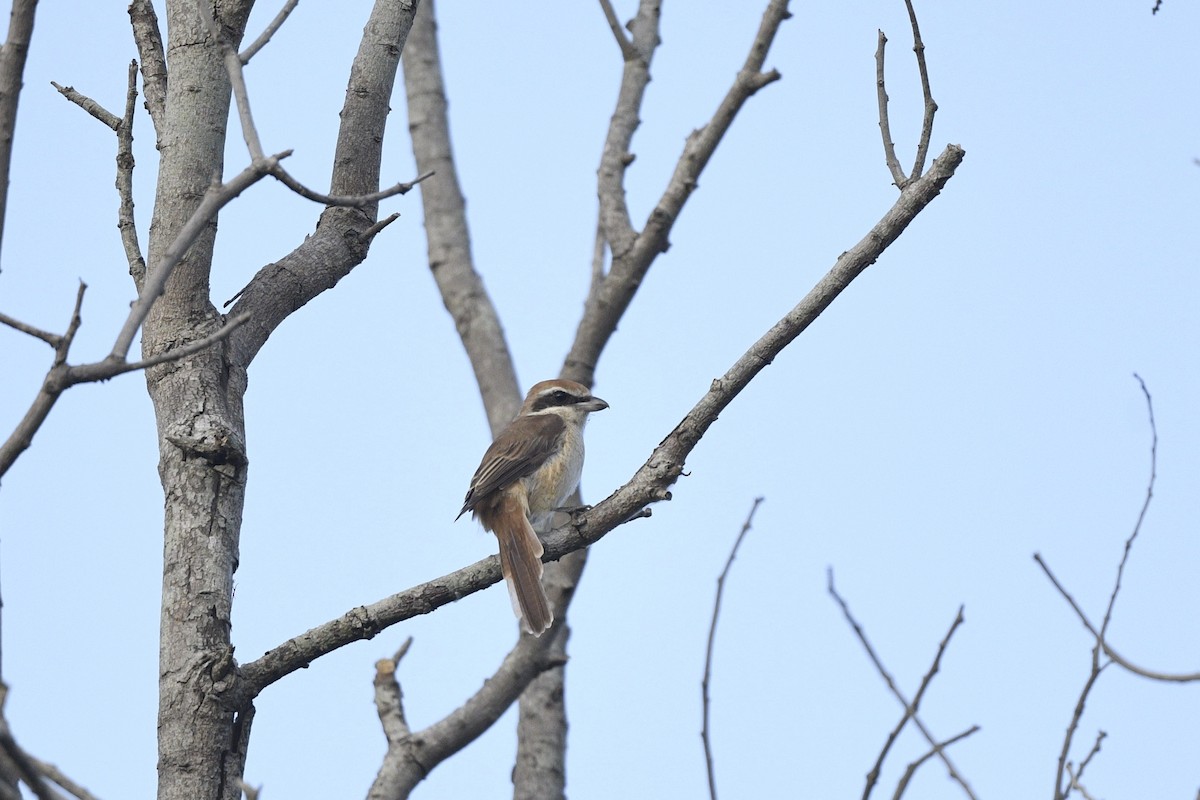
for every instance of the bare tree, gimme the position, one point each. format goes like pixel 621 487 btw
pixel 197 357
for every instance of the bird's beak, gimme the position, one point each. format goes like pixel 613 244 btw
pixel 593 404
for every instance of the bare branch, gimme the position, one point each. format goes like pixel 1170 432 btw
pixel 1186 677
pixel 410 758
pixel 1076 785
pixel 389 699
pixel 237 81
pixel 912 768
pixel 54 774
pixel 213 201
pixel 648 485
pixel 926 93
pixel 633 253
pixel 910 710
pixel 615 158
pixel 62 376
pixel 352 201
pixel 268 32
pixel 712 636
pixel 89 105
pixel 103 370
pixel 26 770
pixel 885 127
pixel 338 245
pixel 889 147
pixel 148 37
pixel 628 51
pixel 51 339
pixel 1101 633
pixel 12 71
pixel 126 222
pixel 447 233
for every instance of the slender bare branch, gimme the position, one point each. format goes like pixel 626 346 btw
pixel 351 201
pixel 926 94
pixel 628 51
pixel 1100 736
pixel 705 736
pixel 214 200
pixel 410 758
pixel 912 768
pixel 632 252
pixel 910 711
pixel 148 38
pixel 1076 785
pixel 25 767
pixel 126 222
pixel 338 244
pixel 614 219
pixel 89 105
pixel 237 80
pixel 1101 634
pixel 648 485
pixel 51 339
pixel 889 147
pixel 62 376
pixel 1185 677
pixel 885 126
pixel 103 370
pixel 12 72
pixel 264 37
pixel 56 775
pixel 447 232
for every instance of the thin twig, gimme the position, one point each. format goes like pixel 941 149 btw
pixel 912 768
pixel 1100 736
pixel 126 222
pixel 911 710
pixel 1076 785
pixel 51 339
pixel 885 127
pixel 628 51
pixel 705 735
pixel 237 80
pixel 56 775
pixel 216 198
pixel 1060 793
pixel 103 370
pixel 354 201
pixel 926 93
pixel 89 105
pixel 895 690
pixel 268 32
pixel 1187 677
pixel 1101 634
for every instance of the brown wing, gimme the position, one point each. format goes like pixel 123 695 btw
pixel 520 448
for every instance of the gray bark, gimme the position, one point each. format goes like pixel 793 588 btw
pixel 198 401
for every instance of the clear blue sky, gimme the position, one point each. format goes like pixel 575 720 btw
pixel 968 402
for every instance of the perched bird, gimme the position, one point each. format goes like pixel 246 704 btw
pixel 529 471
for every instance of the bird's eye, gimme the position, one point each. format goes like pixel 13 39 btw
pixel 561 397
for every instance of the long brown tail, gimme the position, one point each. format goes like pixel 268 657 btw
pixel 521 562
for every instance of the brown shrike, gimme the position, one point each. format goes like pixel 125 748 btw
pixel 525 476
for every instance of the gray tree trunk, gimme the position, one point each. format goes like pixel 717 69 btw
pixel 201 431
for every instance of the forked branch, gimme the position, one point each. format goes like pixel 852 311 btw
pixel 889 148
